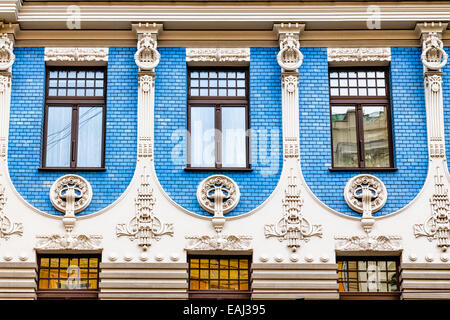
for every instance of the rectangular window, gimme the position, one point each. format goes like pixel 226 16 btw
pixel 375 276
pixel 218 119
pixel 74 118
pixel 219 276
pixel 360 118
pixel 68 276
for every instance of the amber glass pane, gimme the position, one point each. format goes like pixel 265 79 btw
pixel 84 263
pixel 376 145
pixel 233 274
pixel 92 275
pixel 54 262
pixel 44 262
pixel 234 264
pixel 53 273
pixel 204 285
pixel 194 274
pixel 64 262
pixel 74 262
pixel 214 274
pixel 214 284
pixel 223 284
pixel 44 273
pixel 93 263
pixel 194 284
pixel 243 274
pixel 243 264
pixel 223 264
pixel 243 286
pixel 84 273
pixel 204 263
pixel 351 265
pixel 53 284
pixel 63 273
pixel 214 263
pixel 234 285
pixel 204 274
pixel 43 284
pixel 92 284
pixel 343 126
pixel 194 263
pixel 223 274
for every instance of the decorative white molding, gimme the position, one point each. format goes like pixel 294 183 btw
pixel 358 55
pixel 292 227
pixel 433 55
pixel 145 225
pixel 7 56
pixel 217 56
pixel 7 228
pixel 69 241
pixel 437 227
pixel 365 194
pixel 147 57
pixel 289 57
pixel 145 117
pixel 368 243
pixel 87 56
pixel 219 242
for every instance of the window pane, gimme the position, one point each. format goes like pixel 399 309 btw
pixel 376 146
pixel 345 150
pixel 90 131
pixel 233 137
pixel 59 120
pixel 202 137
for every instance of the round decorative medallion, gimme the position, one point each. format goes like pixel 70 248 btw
pixel 147 57
pixel 218 188
pixel 365 187
pixel 80 186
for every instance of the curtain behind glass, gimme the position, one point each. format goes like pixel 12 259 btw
pixel 90 134
pixel 202 137
pixel 59 121
pixel 234 151
pixel 345 148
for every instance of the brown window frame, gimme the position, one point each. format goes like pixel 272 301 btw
pixel 219 294
pixel 358 102
pixel 67 294
pixel 74 102
pixel 218 102
pixel 381 295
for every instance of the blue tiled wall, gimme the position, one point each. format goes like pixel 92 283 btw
pixel 26 122
pixel 446 94
pixel 170 126
pixel 409 131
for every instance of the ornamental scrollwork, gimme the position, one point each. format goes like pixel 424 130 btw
pixel 368 243
pixel 292 226
pixel 7 228
pixel 289 57
pixel 219 242
pixel 218 55
pixel 145 225
pixel 437 227
pixel 7 56
pixel 147 57
pixel 218 194
pixel 69 241
pixel 433 56
pixel 76 55
pixel 343 55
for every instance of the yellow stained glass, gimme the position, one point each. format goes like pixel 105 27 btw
pixel 234 263
pixel 92 275
pixel 352 265
pixel 93 263
pixel 243 264
pixel 243 286
pixel 84 273
pixel 63 273
pixel 54 262
pixel 214 274
pixel 194 263
pixel 243 274
pixel 194 273
pixel 223 264
pixel 339 265
pixel 194 284
pixel 204 274
pixel 84 263
pixel 73 262
pixel 214 264
pixel 64 262
pixel 53 284
pixel 54 273
pixel 204 285
pixel 223 285
pixel 234 285
pixel 43 284
pixel 233 274
pixel 214 284
pixel 223 274
pixel 44 273
pixel 92 284
pixel 44 262
pixel 204 263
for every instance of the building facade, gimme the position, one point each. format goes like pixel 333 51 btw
pixel 224 149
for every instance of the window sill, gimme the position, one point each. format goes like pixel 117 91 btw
pixel 362 169
pixel 217 169
pixel 73 169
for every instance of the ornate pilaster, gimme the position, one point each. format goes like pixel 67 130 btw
pixel 147 58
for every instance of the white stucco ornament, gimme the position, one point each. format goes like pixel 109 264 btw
pixel 7 56
pixel 433 56
pixel 147 57
pixel 70 194
pixel 218 194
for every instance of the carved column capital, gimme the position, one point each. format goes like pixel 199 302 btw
pixel 289 58
pixel 147 56
pixel 433 56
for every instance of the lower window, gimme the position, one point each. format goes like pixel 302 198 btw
pixel 368 277
pixel 68 276
pixel 219 277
